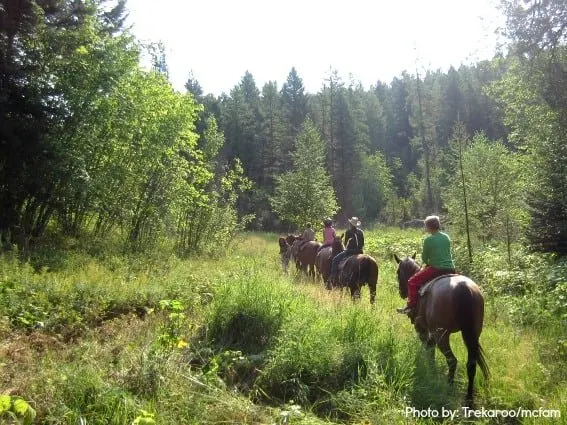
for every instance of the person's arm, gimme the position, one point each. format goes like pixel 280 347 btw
pixel 361 240
pixel 426 252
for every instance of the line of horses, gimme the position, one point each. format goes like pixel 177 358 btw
pixel 315 260
pixel 447 304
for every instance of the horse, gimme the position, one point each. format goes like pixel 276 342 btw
pixel 448 304
pixel 305 254
pixel 285 253
pixel 290 240
pixel 355 271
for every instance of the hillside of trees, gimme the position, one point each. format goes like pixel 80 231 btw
pixel 92 143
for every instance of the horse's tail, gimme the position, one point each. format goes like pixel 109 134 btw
pixel 465 315
pixel 369 264
pixel 371 268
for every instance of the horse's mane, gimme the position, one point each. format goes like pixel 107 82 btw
pixel 409 265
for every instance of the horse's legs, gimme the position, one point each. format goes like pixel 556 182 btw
pixel 355 291
pixel 471 372
pixel 442 338
pixel 427 339
pixel 372 288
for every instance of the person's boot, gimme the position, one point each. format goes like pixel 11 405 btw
pixel 406 310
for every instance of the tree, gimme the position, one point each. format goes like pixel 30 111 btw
pixel 536 83
pixel 374 187
pixel 495 184
pixel 294 110
pixel 45 50
pixel 305 194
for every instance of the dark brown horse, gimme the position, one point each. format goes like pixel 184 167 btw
pixel 325 257
pixel 446 305
pixel 356 271
pixel 323 262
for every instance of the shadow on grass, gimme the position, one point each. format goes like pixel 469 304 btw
pixel 430 387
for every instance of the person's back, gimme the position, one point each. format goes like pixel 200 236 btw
pixel 308 234
pixel 329 235
pixel 437 251
pixel 354 238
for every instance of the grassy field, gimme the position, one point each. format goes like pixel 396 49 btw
pixel 95 337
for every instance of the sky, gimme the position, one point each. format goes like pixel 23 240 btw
pixel 370 40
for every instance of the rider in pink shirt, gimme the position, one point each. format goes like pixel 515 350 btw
pixel 329 233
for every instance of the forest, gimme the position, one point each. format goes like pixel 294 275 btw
pixel 92 142
pixel 118 193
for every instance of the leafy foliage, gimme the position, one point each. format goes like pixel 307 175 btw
pixel 495 184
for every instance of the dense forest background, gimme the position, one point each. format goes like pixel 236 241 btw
pixel 92 143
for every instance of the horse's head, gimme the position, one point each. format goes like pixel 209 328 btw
pixel 406 269
pixel 290 239
pixel 283 244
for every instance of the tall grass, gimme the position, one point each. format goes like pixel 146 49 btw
pixel 90 341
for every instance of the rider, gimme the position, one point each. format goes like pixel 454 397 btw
pixel 437 260
pixel 329 234
pixel 308 233
pixel 308 236
pixel 354 238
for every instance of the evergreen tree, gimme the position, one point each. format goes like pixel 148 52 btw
pixel 294 111
pixel 272 136
pixel 305 194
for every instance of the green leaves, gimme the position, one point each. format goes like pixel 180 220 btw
pixel 495 187
pixel 305 193
pixel 16 408
pixel 145 418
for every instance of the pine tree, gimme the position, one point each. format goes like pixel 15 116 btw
pixel 305 194
pixel 294 110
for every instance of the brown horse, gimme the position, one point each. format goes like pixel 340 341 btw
pixel 355 271
pixel 305 254
pixel 448 304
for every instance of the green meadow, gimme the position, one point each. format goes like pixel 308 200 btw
pixel 89 335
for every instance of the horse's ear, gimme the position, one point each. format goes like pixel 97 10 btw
pixel 397 259
pixel 414 255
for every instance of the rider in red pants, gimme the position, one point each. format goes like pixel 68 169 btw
pixel 437 258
